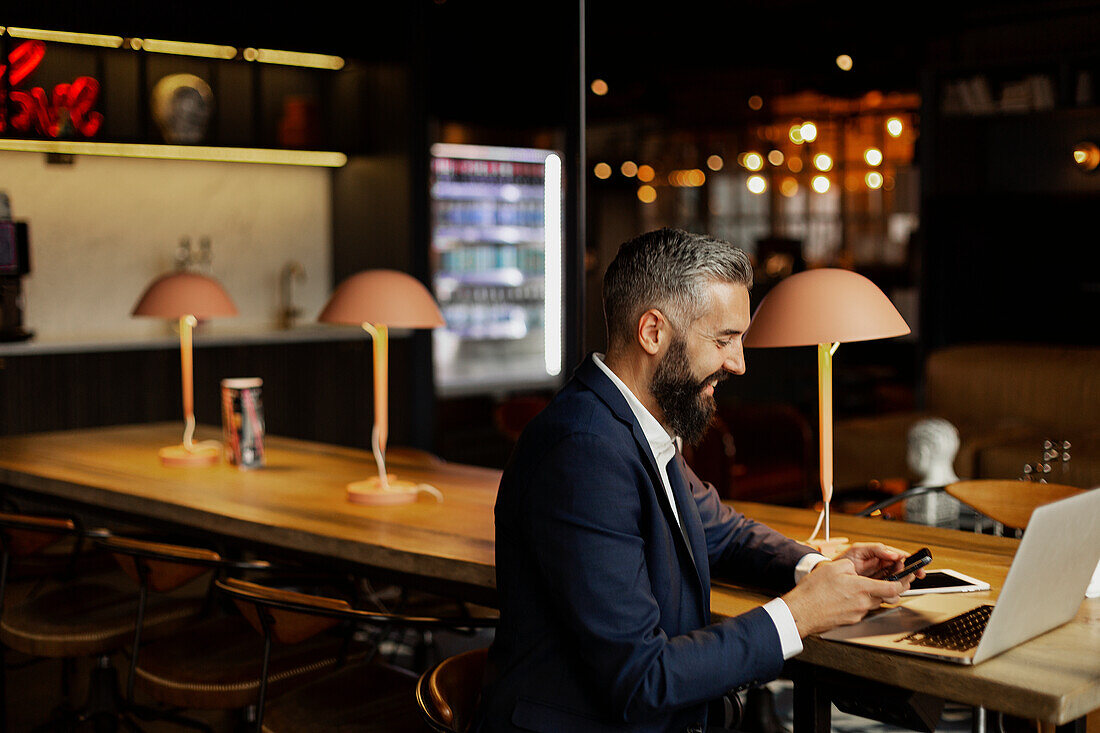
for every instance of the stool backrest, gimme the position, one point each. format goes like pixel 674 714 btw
pixel 448 694
pixel 27 534
pixel 288 612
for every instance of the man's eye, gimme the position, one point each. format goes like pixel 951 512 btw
pixel 722 343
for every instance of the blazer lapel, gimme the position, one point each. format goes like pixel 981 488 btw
pixel 692 526
pixel 593 378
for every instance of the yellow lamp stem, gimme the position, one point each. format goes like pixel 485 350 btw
pixel 187 323
pixel 825 423
pixel 380 433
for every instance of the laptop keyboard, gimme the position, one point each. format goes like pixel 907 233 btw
pixel 959 633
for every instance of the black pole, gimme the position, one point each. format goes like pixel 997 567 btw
pixel 575 203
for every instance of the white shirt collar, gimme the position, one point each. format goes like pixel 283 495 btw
pixel 660 443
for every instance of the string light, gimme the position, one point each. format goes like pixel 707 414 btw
pixel 823 162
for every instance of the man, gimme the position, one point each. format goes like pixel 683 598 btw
pixel 605 538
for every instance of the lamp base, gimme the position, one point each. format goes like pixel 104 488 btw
pixel 831 547
pixel 180 457
pixel 371 493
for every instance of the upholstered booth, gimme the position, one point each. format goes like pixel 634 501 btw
pixel 1005 400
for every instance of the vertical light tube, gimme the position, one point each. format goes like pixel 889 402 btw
pixel 552 335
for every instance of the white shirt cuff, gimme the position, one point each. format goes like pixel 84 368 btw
pixel 789 640
pixel 806 564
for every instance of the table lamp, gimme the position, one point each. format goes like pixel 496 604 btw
pixel 824 307
pixel 379 300
pixel 190 297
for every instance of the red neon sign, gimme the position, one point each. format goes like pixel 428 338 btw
pixel 67 110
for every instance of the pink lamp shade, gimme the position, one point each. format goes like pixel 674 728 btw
pixel 823 306
pixel 184 294
pixel 383 297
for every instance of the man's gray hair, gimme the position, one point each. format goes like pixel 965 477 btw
pixel 667 269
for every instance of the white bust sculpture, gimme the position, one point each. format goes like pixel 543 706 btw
pixel 933 444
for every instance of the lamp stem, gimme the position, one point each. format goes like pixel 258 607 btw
pixel 825 423
pixel 380 432
pixel 186 324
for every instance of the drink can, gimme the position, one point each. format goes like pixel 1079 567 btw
pixel 243 421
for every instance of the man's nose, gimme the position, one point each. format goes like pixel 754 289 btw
pixel 735 362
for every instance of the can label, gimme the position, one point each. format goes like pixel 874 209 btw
pixel 243 421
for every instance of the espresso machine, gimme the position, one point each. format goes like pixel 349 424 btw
pixel 14 264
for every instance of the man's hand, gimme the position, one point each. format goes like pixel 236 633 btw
pixel 876 560
pixel 834 594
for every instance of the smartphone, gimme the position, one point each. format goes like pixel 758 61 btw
pixel 918 559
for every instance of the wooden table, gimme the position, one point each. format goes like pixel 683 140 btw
pixel 296 502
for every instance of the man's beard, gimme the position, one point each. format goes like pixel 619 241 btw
pixel 687 409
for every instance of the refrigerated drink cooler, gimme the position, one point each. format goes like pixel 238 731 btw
pixel 496 259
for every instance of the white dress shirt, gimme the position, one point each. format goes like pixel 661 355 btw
pixel 664 448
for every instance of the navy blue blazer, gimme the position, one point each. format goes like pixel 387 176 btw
pixel 604 600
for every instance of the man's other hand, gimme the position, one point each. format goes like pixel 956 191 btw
pixel 834 594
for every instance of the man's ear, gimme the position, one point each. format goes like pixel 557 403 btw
pixel 653 331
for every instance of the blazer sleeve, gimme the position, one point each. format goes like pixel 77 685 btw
pixel 584 522
pixel 740 548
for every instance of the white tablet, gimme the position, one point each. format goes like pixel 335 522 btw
pixel 945 581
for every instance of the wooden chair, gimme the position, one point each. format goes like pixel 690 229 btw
pixel 447 694
pixel 365 696
pixel 1008 503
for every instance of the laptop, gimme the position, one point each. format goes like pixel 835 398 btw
pixel 1044 589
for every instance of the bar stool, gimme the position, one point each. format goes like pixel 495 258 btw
pixel 365 696
pixel 447 694
pixel 76 617
pixel 163 569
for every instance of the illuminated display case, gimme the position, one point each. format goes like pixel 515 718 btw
pixel 496 260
